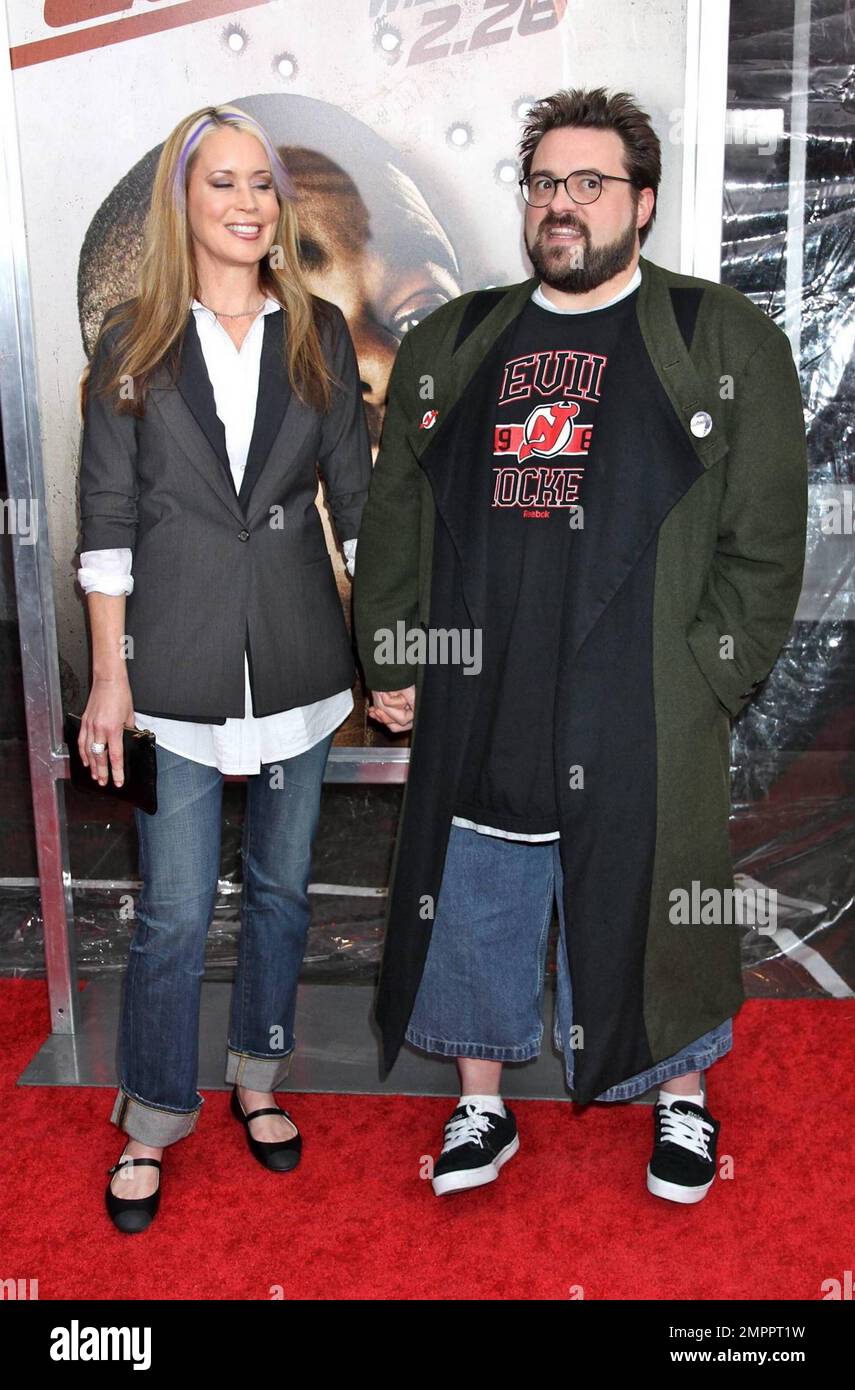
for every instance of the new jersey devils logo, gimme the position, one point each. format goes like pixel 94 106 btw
pixel 548 429
pixel 428 420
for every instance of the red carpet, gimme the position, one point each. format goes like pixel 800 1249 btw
pixel 356 1222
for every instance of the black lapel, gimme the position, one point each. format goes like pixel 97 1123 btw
pixel 641 462
pixel 479 306
pixel 198 394
pixel 460 479
pixel 274 396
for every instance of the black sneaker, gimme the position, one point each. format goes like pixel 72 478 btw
pixel 477 1143
pixel 683 1164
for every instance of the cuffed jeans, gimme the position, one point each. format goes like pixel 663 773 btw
pixel 179 856
pixel 481 992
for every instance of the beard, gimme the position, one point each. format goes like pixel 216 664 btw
pixel 598 263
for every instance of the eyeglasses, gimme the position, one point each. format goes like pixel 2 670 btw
pixel 583 186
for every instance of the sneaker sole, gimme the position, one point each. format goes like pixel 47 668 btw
pixel 676 1192
pixel 474 1177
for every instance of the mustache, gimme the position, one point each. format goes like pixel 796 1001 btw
pixel 571 222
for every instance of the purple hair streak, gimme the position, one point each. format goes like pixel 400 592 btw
pixel 230 115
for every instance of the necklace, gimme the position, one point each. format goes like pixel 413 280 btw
pixel 231 316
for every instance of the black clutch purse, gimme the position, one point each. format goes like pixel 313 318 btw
pixel 140 759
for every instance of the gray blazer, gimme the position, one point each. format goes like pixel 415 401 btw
pixel 218 573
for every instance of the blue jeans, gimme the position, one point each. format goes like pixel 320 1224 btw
pixel 481 993
pixel 179 857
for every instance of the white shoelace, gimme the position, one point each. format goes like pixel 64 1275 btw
pixel 467 1129
pixel 687 1130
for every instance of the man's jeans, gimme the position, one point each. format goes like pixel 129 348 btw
pixel 179 857
pixel 481 993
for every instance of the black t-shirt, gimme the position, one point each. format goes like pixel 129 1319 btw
pixel 544 425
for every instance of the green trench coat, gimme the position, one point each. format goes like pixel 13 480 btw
pixel 692 572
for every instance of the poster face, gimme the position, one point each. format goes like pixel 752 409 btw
pixel 399 123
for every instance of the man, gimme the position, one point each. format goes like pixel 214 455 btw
pixel 595 481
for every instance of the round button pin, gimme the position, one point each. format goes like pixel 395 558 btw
pixel 700 423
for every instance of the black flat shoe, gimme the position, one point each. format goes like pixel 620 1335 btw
pixel 132 1214
pixel 280 1155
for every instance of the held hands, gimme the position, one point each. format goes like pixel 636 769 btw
pixel 394 708
pixel 109 709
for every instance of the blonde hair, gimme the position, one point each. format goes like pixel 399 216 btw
pixel 166 279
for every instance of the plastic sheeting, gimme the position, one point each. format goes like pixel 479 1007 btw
pixel 793 773
pixel 350 868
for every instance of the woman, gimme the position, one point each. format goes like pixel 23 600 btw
pixel 213 398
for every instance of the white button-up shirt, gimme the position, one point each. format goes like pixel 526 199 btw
pixel 240 745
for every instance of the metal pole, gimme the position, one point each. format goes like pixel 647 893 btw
pixel 704 134
pixel 795 244
pixel 25 518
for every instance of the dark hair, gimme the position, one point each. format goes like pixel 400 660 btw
pixel 596 110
